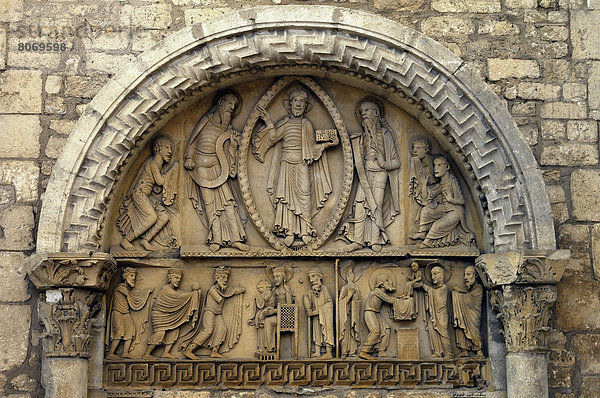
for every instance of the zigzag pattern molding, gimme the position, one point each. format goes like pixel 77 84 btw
pixel 228 58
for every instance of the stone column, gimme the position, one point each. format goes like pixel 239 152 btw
pixel 523 291
pixel 71 290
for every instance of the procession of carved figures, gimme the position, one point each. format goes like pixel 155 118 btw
pixel 298 168
pixel 412 310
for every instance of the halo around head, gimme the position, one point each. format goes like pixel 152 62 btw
pixel 310 101
pixel 288 272
pixel 429 267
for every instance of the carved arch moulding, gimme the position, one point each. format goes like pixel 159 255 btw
pixel 337 63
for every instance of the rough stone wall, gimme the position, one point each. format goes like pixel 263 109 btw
pixel 541 56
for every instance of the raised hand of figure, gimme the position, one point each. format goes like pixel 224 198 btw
pixel 265 116
pixel 189 164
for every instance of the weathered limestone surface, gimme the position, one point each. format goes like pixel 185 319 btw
pixel 519 46
pixel 15 325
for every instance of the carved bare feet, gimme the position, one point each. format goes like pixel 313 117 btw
pixel 240 246
pixel 352 247
pixel 215 354
pixel 306 239
pixel 125 244
pixel 418 235
pixel 288 240
pixel 213 247
pixel 376 248
pixel 146 245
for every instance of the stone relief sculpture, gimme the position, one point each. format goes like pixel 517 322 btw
pixel 436 306
pixel 319 309
pixel 377 200
pixel 466 305
pixel 264 305
pixel 298 181
pixel 221 319
pixel 141 216
pixel 420 178
pixel 211 161
pixel 349 312
pixel 281 294
pixel 173 312
pixel 442 221
pixel 382 285
pixel 128 316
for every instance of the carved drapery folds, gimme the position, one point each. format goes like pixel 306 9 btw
pixel 523 293
pixel 73 286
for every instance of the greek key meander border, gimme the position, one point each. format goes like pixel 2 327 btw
pixel 251 374
pixel 444 100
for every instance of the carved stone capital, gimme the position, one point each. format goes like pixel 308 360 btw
pixel 59 270
pixel 525 312
pixel 530 267
pixel 67 315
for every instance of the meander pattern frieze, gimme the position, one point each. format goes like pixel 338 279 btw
pixel 400 75
pixel 248 374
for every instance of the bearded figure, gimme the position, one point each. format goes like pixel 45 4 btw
pixel 377 200
pixel 211 160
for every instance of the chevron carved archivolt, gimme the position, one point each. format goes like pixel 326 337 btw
pixel 394 72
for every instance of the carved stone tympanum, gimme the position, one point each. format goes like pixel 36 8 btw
pixel 309 253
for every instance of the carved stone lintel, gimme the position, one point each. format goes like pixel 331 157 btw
pixel 531 267
pixel 72 270
pixel 68 318
pixel 525 312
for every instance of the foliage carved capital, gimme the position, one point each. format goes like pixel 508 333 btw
pixel 62 270
pixel 525 312
pixel 67 315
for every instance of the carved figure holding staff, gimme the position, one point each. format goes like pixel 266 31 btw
pixel 139 215
pixel 128 316
pixel 211 160
pixel 349 311
pixel 377 199
pixel 298 183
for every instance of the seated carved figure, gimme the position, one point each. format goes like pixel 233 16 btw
pixel 442 220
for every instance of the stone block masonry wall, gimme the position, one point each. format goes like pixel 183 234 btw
pixel 541 56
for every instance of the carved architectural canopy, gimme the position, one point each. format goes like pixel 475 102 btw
pixel 297 206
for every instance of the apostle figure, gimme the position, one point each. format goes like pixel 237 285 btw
pixel 263 306
pixel 139 215
pixel 466 305
pixel 221 327
pixel 282 294
pixel 173 312
pixel 210 158
pixel 349 313
pixel 379 329
pixel 298 183
pixel 377 164
pixel 442 220
pixel 420 178
pixel 319 308
pixel 127 301
pixel 436 305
